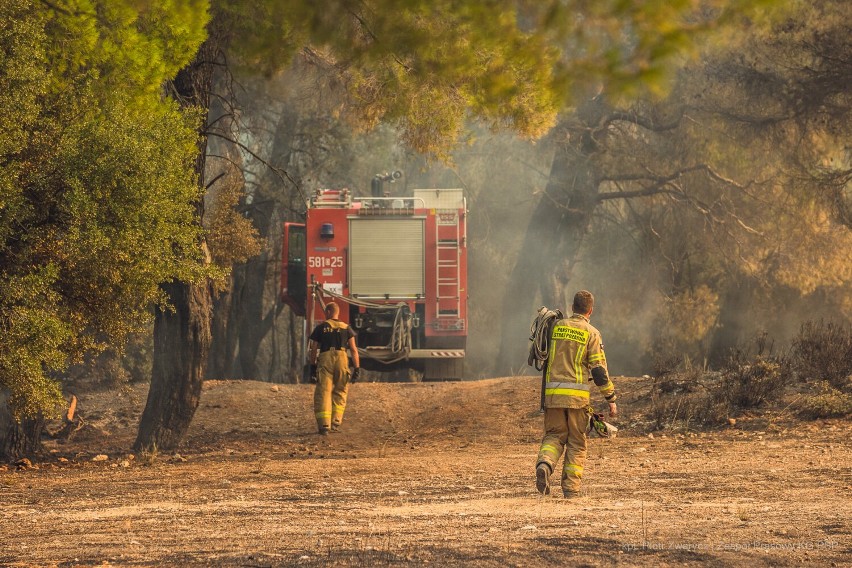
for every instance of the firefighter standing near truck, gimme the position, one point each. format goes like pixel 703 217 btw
pixel 575 354
pixel 330 369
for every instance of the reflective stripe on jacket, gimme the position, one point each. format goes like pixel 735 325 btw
pixel 562 395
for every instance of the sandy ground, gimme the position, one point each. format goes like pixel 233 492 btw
pixel 435 473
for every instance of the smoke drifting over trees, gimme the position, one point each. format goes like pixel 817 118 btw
pixel 683 213
pixel 700 188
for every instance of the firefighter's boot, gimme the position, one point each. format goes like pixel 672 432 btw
pixel 542 478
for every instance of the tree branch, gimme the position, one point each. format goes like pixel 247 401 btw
pixel 659 182
pixel 643 121
pixel 66 11
pixel 279 172
pixel 214 180
pixel 655 189
pixel 372 35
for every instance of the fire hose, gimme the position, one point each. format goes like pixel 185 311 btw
pixel 400 343
pixel 540 332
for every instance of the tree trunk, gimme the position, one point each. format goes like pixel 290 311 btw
pixel 554 236
pixel 223 346
pixel 249 319
pixel 182 335
pixel 18 439
pixel 226 337
pixel 244 317
pixel 731 328
pixel 181 343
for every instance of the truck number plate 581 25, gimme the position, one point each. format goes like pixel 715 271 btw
pixel 325 262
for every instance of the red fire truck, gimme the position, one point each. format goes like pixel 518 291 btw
pixel 397 266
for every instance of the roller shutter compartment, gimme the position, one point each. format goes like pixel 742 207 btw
pixel 386 257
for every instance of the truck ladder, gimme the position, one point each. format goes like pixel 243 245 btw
pixel 448 254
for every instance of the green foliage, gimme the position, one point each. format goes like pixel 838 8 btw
pixel 124 46
pixel 97 192
pixel 826 402
pixel 34 341
pixel 738 185
pixel 423 65
pixel 426 65
pixel 231 237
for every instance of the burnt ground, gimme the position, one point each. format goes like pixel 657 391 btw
pixel 425 474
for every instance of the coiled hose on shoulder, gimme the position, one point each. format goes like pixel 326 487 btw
pixel 540 331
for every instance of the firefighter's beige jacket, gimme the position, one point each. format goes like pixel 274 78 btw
pixel 575 349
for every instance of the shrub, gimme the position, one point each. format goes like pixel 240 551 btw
pixel 701 408
pixel 695 396
pixel 116 365
pixel 823 351
pixel 750 384
pixel 828 402
pixel 687 395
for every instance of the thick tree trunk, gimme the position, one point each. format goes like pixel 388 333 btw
pixel 243 317
pixel 554 236
pixel 182 336
pixel 18 439
pixel 181 343
pixel 226 333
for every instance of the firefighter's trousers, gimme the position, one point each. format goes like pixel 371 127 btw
pixel 565 429
pixel 332 387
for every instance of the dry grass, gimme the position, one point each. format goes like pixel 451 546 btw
pixel 424 474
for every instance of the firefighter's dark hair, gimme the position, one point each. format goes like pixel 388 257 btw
pixel 583 302
pixel 332 310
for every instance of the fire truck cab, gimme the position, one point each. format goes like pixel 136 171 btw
pixel 397 266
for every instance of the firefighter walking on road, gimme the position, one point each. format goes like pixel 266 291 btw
pixel 331 368
pixel 575 355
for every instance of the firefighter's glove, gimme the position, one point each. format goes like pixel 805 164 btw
pixel 313 373
pixel 613 410
pixel 356 374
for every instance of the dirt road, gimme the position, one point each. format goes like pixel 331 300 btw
pixel 438 474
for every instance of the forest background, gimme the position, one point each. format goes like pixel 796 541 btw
pixel 688 163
